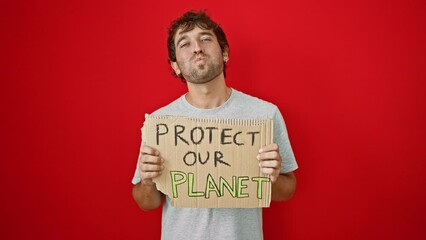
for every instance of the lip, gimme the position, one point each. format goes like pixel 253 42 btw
pixel 198 59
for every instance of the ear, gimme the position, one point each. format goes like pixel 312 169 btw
pixel 175 67
pixel 225 55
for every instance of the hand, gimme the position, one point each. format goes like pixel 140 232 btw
pixel 270 160
pixel 150 164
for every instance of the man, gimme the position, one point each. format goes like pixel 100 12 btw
pixel 198 53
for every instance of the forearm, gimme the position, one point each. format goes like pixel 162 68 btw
pixel 147 196
pixel 284 187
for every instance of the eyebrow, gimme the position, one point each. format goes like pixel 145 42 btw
pixel 183 37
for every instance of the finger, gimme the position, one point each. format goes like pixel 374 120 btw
pixel 273 155
pixel 149 150
pixel 151 167
pixel 272 173
pixel 270 164
pixel 151 159
pixel 268 171
pixel 270 147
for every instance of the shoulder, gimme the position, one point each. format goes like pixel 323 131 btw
pixel 252 99
pixel 252 102
pixel 171 108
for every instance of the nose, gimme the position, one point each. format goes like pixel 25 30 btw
pixel 197 48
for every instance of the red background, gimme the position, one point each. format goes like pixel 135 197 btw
pixel 77 78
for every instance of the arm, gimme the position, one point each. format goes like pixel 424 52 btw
pixel 146 193
pixel 283 185
pixel 147 196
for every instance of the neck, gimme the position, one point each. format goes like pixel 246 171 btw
pixel 208 95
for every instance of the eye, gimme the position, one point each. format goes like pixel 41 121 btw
pixel 184 44
pixel 206 39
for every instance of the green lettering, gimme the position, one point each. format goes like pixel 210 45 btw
pixel 241 186
pixel 191 192
pixel 176 182
pixel 211 186
pixel 259 181
pixel 224 184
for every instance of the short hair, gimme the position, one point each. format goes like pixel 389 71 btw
pixel 189 21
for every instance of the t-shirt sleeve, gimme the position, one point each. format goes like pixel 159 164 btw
pixel 137 176
pixel 281 138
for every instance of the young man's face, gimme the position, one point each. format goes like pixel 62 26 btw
pixel 199 57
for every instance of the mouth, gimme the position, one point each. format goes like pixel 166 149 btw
pixel 199 58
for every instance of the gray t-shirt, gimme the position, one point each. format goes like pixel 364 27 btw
pixel 223 223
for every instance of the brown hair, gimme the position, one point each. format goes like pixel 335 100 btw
pixel 189 21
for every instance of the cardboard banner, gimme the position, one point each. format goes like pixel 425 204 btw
pixel 211 163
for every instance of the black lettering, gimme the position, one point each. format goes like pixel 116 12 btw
pixel 223 136
pixel 207 158
pixel 178 132
pixel 201 135
pixel 194 157
pixel 235 139
pixel 210 133
pixel 161 133
pixel 253 136
pixel 218 158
